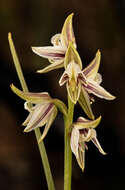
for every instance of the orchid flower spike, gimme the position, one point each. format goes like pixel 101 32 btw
pixel 80 83
pixel 82 132
pixel 56 53
pixel 43 111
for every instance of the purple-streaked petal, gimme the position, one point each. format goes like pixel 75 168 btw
pixel 74 142
pixel 92 69
pixel 99 91
pixel 83 123
pixel 51 52
pixel 32 96
pixel 82 78
pixel 55 65
pixel 84 102
pixel 40 116
pixel 64 78
pixel 67 33
pixel 49 123
pixel 96 142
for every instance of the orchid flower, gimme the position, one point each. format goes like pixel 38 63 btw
pixel 82 132
pixel 43 111
pixel 80 83
pixel 56 53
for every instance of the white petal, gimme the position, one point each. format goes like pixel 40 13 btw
pixel 64 78
pixel 74 142
pixel 40 116
pixel 50 52
pixel 96 142
pixel 99 91
pixel 56 40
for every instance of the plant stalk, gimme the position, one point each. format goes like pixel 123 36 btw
pixel 68 153
pixel 41 146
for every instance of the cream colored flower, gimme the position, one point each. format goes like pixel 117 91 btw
pixel 56 53
pixel 82 132
pixel 82 83
pixel 42 112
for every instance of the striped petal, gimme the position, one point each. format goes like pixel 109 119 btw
pixel 72 56
pixel 92 69
pixel 40 116
pixel 55 65
pixel 83 123
pixel 51 52
pixel 32 96
pixel 49 123
pixel 99 91
pixel 67 33
pixel 64 78
pixel 96 142
pixel 84 102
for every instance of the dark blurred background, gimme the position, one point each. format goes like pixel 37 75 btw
pixel 97 25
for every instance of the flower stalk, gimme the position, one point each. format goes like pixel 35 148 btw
pixel 41 146
pixel 68 153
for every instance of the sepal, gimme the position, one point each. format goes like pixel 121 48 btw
pixel 32 97
pixel 67 33
pixel 72 55
pixel 84 102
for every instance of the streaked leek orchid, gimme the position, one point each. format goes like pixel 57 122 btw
pixel 82 132
pixel 80 83
pixel 43 111
pixel 56 53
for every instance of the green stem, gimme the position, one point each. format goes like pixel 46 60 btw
pixel 41 146
pixel 45 161
pixel 68 152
